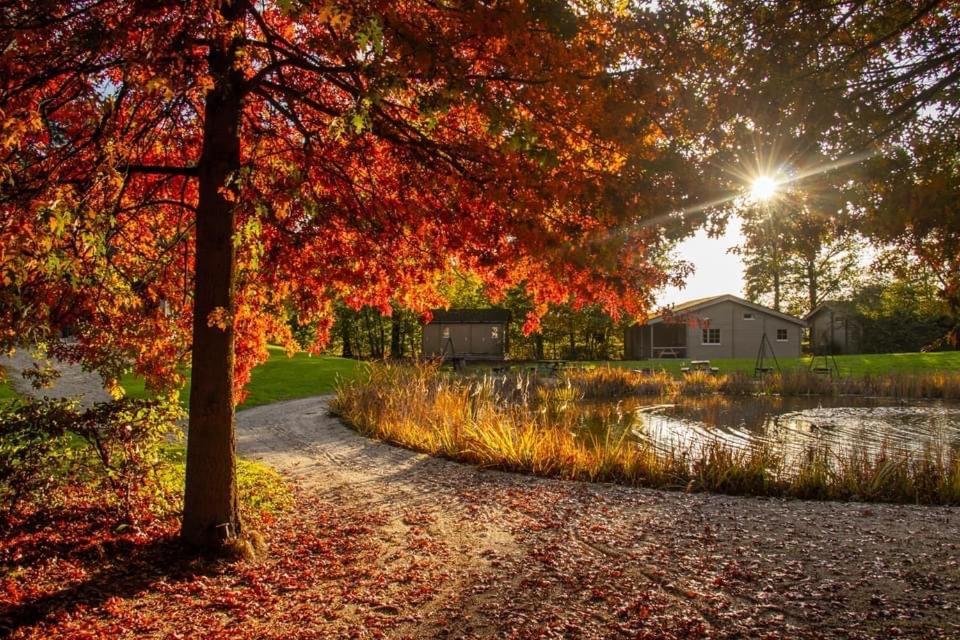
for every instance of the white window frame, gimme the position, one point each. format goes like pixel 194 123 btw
pixel 748 315
pixel 786 335
pixel 705 335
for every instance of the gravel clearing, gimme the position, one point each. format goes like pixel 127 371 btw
pixel 521 557
pixel 531 557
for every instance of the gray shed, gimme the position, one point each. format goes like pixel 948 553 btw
pixel 472 334
pixel 716 327
pixel 835 328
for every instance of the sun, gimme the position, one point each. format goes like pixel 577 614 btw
pixel 763 188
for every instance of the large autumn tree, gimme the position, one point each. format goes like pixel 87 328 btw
pixel 177 175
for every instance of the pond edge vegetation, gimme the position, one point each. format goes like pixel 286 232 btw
pixel 523 423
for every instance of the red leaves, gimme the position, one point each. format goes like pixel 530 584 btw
pixel 410 140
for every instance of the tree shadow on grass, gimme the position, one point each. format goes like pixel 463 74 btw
pixel 120 563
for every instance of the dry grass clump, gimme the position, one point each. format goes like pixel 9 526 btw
pixel 933 384
pixel 614 382
pixel 526 424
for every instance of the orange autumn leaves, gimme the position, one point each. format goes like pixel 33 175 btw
pixel 382 145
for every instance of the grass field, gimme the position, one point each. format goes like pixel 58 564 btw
pixel 855 365
pixel 6 391
pixel 279 378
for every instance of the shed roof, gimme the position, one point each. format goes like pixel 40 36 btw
pixel 835 305
pixel 468 316
pixel 700 303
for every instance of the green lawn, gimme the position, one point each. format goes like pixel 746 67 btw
pixel 279 378
pixel 6 391
pixel 857 365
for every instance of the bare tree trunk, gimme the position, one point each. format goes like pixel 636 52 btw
pixel 776 287
pixel 812 285
pixel 345 326
pixel 396 344
pixel 538 346
pixel 210 508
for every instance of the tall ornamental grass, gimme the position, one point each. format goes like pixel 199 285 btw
pixel 529 424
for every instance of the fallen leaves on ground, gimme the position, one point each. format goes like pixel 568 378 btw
pixel 578 561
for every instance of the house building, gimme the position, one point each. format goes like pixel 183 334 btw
pixel 835 328
pixel 716 327
pixel 471 334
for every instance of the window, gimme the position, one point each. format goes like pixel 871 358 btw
pixel 748 315
pixel 711 336
pixel 781 335
pixel 495 333
pixel 446 333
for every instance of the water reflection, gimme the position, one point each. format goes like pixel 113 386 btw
pixel 792 425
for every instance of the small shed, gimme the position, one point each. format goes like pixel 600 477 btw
pixel 835 328
pixel 722 326
pixel 471 334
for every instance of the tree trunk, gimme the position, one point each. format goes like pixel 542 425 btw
pixel 345 325
pixel 538 346
pixel 210 507
pixel 812 284
pixel 396 345
pixel 776 287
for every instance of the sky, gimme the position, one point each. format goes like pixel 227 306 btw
pixel 715 271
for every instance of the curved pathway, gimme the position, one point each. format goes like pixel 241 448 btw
pixel 73 381
pixel 517 556
pixel 598 560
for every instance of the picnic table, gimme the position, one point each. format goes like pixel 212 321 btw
pixel 700 365
pixel 552 366
pixel 665 352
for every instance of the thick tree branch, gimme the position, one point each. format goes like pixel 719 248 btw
pixel 158 170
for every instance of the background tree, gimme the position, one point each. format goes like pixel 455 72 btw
pixel 823 86
pixel 908 200
pixel 899 306
pixel 796 252
pixel 178 176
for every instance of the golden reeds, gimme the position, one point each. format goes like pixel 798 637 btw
pixel 528 424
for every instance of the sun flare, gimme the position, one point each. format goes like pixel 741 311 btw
pixel 763 188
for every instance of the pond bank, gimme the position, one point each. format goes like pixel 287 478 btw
pixel 523 556
pixel 521 423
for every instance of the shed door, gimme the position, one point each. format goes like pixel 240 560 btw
pixel 460 337
pixel 486 339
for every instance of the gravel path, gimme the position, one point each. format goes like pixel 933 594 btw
pixel 528 556
pixel 73 382
pixel 523 557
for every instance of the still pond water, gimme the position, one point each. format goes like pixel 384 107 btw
pixel 791 425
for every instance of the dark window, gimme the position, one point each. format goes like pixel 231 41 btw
pixel 748 315
pixel 711 336
pixel 781 335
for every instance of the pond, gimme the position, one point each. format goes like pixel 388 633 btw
pixel 790 425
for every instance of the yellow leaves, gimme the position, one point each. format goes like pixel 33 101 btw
pixel 220 318
pixel 333 15
pixel 160 84
pixel 227 193
pixel 15 127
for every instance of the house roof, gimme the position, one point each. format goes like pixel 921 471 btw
pixel 465 316
pixel 834 305
pixel 700 303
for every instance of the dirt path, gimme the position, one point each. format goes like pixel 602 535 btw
pixel 73 381
pixel 543 558
pixel 520 557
